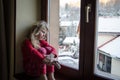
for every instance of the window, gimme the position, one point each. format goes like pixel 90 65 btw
pixel 69 16
pixel 108 37
pixel 91 40
pixel 63 19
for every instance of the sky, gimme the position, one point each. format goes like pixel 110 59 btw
pixel 104 1
pixel 77 2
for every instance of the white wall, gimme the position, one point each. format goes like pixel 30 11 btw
pixel 54 22
pixel 27 13
pixel 115 68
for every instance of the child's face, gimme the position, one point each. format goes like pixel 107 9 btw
pixel 42 34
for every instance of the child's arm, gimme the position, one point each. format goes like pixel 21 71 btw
pixel 50 49
pixel 29 51
pixel 42 50
pixel 53 61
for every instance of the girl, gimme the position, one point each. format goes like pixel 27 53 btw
pixel 39 57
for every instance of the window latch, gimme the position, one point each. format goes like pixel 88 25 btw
pixel 88 10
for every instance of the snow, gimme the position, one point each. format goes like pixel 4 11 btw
pixel 109 24
pixel 69 23
pixel 70 40
pixel 104 25
pixel 69 61
pixel 66 58
pixel 67 53
pixel 112 48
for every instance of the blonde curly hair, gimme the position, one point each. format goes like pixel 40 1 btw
pixel 40 25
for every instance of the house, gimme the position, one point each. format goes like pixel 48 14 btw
pixel 110 52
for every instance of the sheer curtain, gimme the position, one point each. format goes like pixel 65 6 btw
pixel 3 48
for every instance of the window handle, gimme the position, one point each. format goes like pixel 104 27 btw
pixel 88 10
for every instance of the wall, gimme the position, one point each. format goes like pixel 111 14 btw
pixel 27 13
pixel 53 18
pixel 115 66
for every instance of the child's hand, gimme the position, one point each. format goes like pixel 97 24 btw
pixel 57 64
pixel 50 56
pixel 47 61
pixel 49 49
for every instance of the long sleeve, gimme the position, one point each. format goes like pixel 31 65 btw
pixel 30 52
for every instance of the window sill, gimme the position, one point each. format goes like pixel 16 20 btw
pixel 68 72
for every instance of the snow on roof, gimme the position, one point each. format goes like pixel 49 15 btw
pixel 105 24
pixel 112 48
pixel 69 23
pixel 69 40
pixel 109 24
pixel 102 39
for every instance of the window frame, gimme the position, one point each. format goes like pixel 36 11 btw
pixel 86 61
pixel 44 10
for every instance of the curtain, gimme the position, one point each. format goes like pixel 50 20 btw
pixel 3 47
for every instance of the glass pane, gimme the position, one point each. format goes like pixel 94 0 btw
pixel 69 29
pixel 108 38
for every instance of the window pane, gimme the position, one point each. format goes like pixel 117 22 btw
pixel 108 38
pixel 69 29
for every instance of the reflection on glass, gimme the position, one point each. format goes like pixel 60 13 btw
pixel 108 42
pixel 69 16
